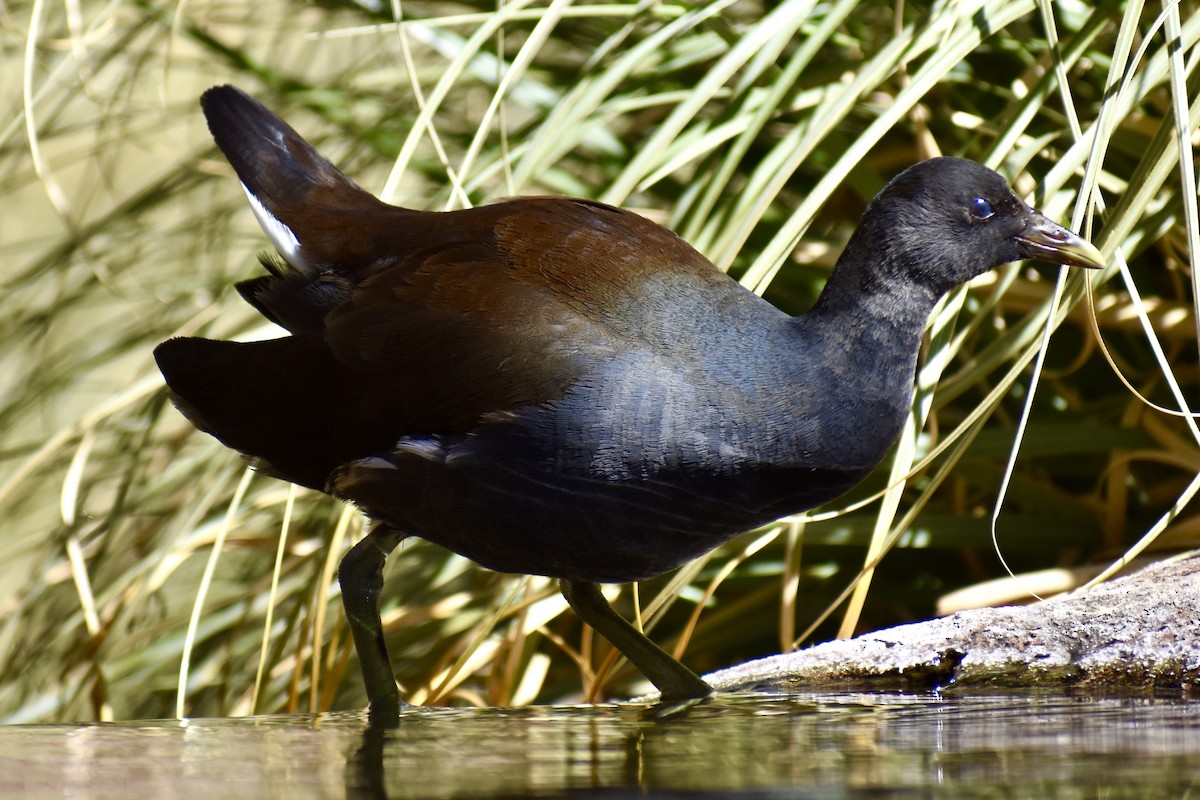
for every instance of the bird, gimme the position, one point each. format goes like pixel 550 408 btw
pixel 555 386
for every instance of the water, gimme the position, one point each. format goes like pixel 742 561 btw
pixel 749 746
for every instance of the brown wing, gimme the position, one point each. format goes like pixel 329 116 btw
pixel 408 323
pixel 501 306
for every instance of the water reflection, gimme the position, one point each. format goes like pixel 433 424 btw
pixel 809 745
pixel 847 745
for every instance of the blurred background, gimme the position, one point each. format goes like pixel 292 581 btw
pixel 145 572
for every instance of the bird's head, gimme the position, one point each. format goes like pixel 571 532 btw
pixel 943 221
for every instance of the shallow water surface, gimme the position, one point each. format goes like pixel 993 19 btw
pixel 747 746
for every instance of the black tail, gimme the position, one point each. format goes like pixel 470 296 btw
pixel 303 202
pixel 285 403
pixel 278 167
pixel 328 230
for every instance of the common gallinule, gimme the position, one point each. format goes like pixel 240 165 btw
pixel 554 386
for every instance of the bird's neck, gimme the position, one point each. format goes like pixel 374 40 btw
pixel 870 327
pixel 871 302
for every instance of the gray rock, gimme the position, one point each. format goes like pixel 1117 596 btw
pixel 1137 633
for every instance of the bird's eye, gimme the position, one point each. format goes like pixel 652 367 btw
pixel 981 209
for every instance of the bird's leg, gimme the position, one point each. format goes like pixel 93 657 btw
pixel 675 682
pixel 361 577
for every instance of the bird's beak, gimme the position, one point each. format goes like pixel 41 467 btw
pixel 1046 240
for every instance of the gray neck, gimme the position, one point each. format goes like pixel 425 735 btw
pixel 868 326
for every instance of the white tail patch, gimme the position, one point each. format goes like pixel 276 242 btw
pixel 281 235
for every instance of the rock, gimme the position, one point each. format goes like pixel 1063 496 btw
pixel 1136 633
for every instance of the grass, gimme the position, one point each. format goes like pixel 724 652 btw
pixel 132 546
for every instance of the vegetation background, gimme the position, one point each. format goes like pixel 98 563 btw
pixel 144 572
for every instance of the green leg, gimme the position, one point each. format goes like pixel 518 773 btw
pixel 675 682
pixel 361 577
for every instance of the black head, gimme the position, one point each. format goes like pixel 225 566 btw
pixel 943 221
